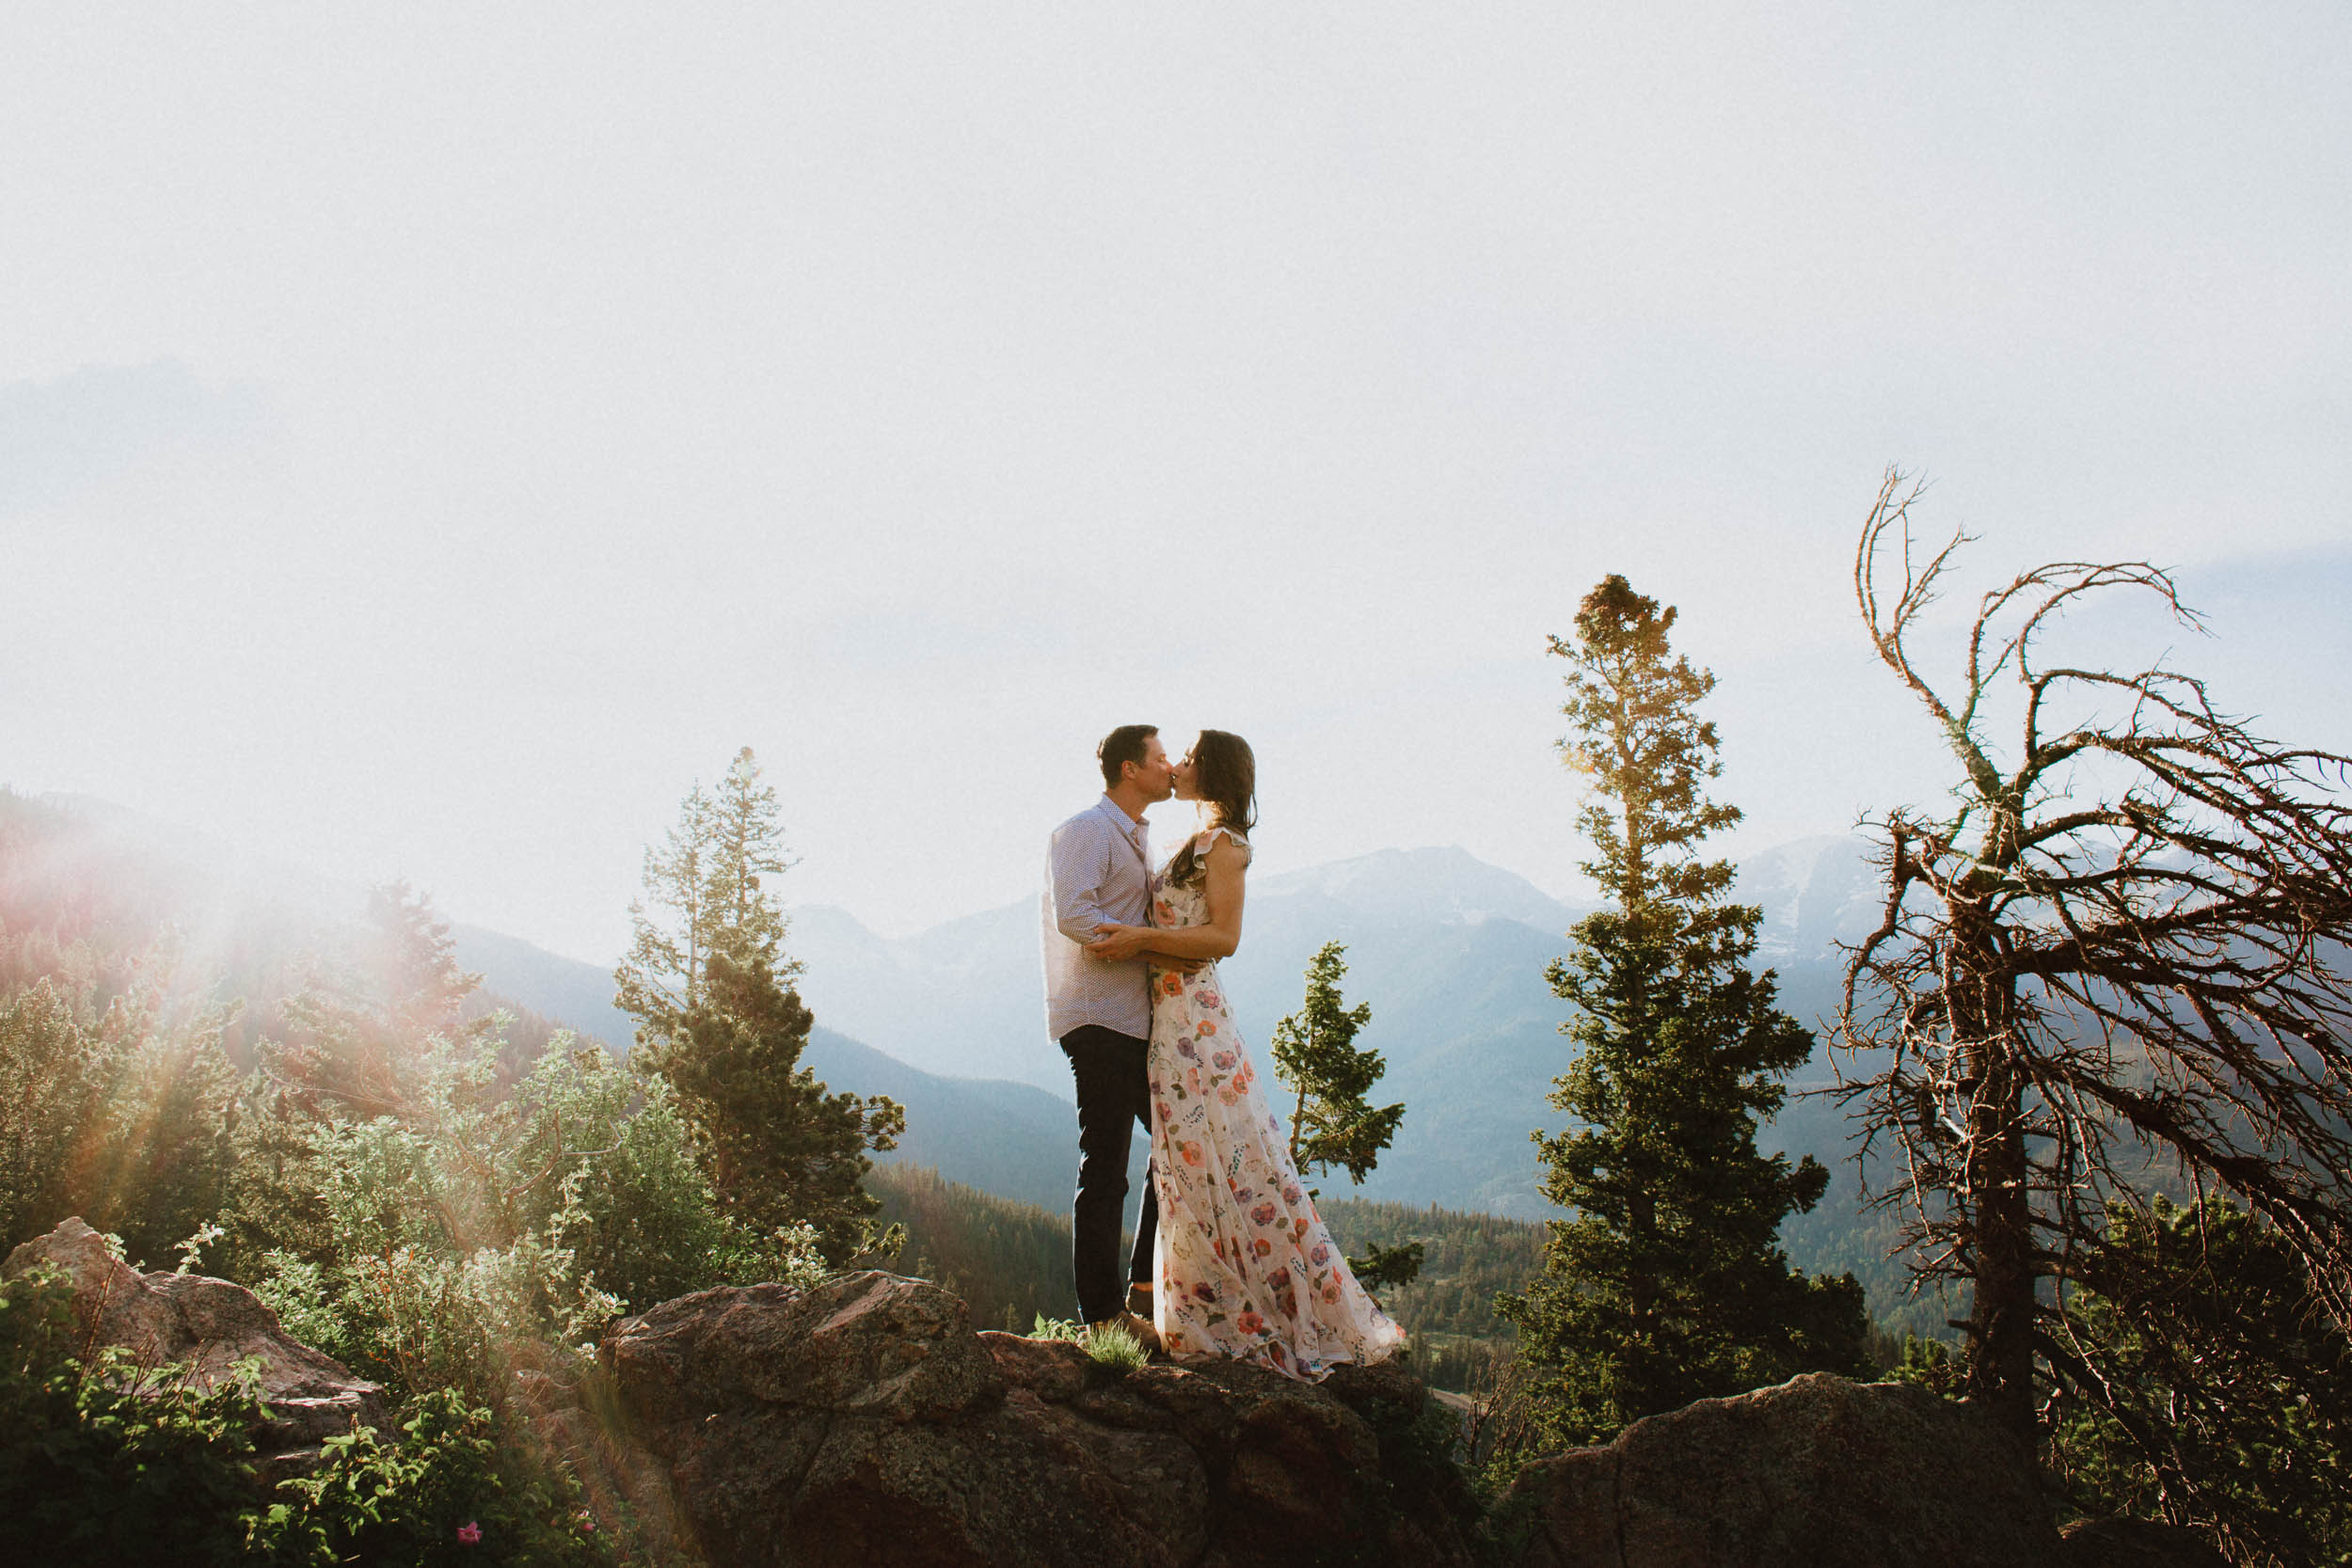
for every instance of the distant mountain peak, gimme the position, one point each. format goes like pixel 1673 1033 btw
pixel 1443 883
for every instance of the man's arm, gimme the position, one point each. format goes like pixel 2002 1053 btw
pixel 1188 947
pixel 1077 866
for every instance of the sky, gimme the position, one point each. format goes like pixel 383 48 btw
pixel 434 437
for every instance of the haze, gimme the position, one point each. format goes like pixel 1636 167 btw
pixel 431 438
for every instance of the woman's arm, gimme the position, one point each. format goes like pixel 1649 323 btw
pixel 1217 939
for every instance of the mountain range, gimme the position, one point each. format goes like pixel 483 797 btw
pixel 1450 953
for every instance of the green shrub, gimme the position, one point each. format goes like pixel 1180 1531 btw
pixel 1059 1328
pixel 448 1491
pixel 105 1462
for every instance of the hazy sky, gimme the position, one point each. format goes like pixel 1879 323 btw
pixel 432 437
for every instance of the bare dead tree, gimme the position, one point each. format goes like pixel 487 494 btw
pixel 2117 957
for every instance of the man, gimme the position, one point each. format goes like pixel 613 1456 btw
pixel 1098 873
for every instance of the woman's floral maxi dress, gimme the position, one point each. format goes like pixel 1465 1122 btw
pixel 1246 1267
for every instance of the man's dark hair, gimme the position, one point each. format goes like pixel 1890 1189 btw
pixel 1122 745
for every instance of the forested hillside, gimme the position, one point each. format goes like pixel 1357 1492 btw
pixel 1010 1262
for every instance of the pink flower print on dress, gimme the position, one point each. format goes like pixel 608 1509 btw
pixel 1321 1255
pixel 1185 1048
pixel 1262 1214
pixel 1291 1194
pixel 1208 999
pixel 1249 1323
pixel 1191 1152
pixel 1264 1247
pixel 1222 1061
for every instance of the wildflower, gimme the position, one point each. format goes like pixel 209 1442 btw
pixel 469 1533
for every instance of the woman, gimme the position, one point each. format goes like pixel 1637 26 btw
pixel 1245 1265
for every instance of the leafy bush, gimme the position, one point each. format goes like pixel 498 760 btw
pixel 102 1461
pixel 443 1492
pixel 119 1115
pixel 483 1221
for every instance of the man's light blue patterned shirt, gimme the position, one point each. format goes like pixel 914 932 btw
pixel 1097 873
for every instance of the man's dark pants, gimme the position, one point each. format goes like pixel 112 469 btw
pixel 1114 1094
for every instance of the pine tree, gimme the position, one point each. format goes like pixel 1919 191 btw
pixel 720 1020
pixel 1315 1052
pixel 779 1148
pixel 711 875
pixel 1667 1283
pixel 1333 1123
pixel 742 918
pixel 661 978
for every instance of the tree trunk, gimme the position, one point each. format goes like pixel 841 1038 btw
pixel 1994 1186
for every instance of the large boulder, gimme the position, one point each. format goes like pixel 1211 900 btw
pixel 863 1423
pixel 209 1326
pixel 1817 1473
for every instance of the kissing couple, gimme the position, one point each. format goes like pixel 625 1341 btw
pixel 1231 1257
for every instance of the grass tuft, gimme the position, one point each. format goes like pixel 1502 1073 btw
pixel 1115 1345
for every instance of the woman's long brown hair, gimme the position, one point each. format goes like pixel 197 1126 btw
pixel 1226 773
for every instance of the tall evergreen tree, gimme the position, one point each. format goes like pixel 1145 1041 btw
pixel 1667 1283
pixel 1334 1122
pixel 779 1148
pixel 711 875
pixel 746 847
pixel 661 977
pixel 720 1021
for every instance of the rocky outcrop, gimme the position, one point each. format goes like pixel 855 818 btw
pixel 1815 1473
pixel 208 1325
pixel 863 1423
